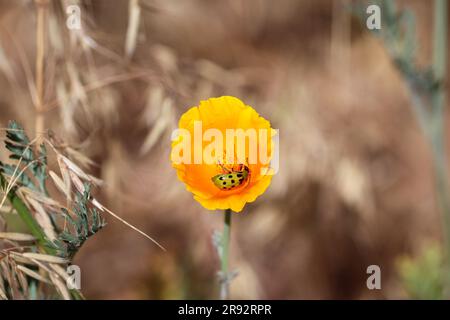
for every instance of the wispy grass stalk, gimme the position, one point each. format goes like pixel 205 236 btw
pixel 41 7
pixel 427 90
pixel 224 256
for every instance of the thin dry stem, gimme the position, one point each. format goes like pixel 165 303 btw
pixel 42 7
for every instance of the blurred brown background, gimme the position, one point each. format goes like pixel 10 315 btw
pixel 354 187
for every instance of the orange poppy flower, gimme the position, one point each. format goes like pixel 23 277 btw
pixel 220 172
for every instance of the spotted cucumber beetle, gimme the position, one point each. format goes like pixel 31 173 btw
pixel 231 179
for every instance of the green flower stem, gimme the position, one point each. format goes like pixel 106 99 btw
pixel 224 283
pixel 26 216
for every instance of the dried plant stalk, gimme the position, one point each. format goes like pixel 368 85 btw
pixel 133 28
pixel 42 7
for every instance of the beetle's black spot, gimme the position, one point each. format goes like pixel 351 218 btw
pixel 232 181
pixel 230 176
pixel 224 183
pixel 220 178
pixel 239 175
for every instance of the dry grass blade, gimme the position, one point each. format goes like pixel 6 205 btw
pixel 33 274
pixel 79 157
pixel 14 236
pixel 26 194
pixel 60 286
pixel 77 182
pixel 60 271
pixel 89 43
pixel 5 66
pixel 65 174
pixel 134 15
pixel 17 257
pixel 3 295
pixel 9 277
pixel 77 170
pixel 74 168
pixel 63 187
pixel 22 281
pixel 160 126
pixel 43 219
pixel 102 208
pixel 14 281
pixel 45 258
pixel 42 266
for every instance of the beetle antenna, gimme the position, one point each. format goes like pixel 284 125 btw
pixel 223 167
